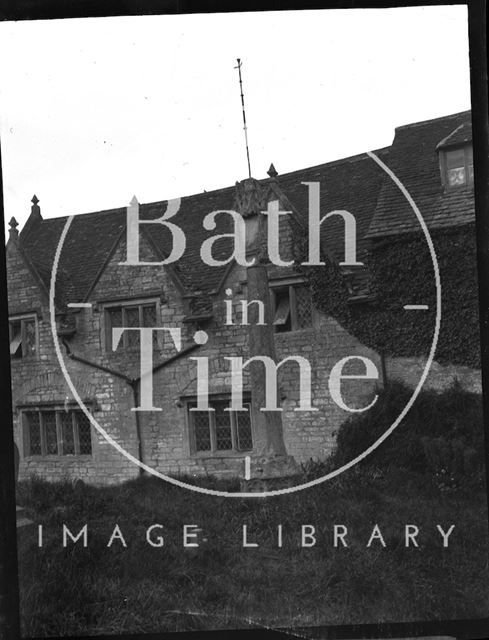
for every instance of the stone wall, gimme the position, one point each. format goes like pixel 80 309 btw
pixel 440 376
pixel 38 381
pixel 163 437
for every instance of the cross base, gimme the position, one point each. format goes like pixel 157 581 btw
pixel 272 473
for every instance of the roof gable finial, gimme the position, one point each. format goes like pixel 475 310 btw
pixel 272 172
pixel 13 232
pixel 35 209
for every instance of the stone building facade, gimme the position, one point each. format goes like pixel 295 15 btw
pixel 96 292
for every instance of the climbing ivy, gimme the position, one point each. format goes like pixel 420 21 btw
pixel 401 272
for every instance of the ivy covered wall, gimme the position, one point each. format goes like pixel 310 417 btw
pixel 402 273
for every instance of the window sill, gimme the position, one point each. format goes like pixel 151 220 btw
pixel 51 457
pixel 134 348
pixel 469 188
pixel 220 454
pixel 362 298
pixel 293 331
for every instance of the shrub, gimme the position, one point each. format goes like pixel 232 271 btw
pixel 441 433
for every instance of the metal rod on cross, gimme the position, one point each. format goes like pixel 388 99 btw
pixel 240 64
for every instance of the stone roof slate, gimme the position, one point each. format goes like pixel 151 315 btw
pixel 414 159
pixel 356 184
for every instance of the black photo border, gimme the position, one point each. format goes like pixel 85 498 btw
pixel 56 9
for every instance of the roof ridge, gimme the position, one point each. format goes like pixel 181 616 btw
pixel 355 158
pixel 446 140
pixel 430 120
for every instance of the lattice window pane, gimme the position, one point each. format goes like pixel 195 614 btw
pixel 243 428
pixel 114 317
pixel 84 433
pixel 456 162
pixel 34 427
pixel 49 425
pixel 149 315
pixel 222 421
pixel 30 337
pixel 149 320
pixel 67 431
pixel 303 307
pixel 202 430
pixel 456 176
pixel 131 316
pixel 282 319
pixel 455 158
pixel 131 319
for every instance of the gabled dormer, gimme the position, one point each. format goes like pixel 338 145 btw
pixel 456 158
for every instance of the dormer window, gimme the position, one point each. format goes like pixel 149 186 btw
pixel 460 166
pixel 457 166
pixel 455 155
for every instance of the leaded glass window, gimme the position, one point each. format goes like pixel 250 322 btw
pixel 131 316
pixel 202 430
pixel 58 432
pixel 243 429
pixel 219 429
pixel 67 433
pixel 82 424
pixel 459 166
pixel 292 307
pixel 34 432
pixel 222 421
pixel 51 436
pixel 23 337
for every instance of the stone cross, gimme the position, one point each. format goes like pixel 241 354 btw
pixel 272 468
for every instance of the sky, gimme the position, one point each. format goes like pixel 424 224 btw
pixel 96 110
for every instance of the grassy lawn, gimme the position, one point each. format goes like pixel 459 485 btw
pixel 140 588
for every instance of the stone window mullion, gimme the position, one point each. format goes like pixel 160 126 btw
pixel 124 324
pixel 234 430
pixel 23 343
pixel 26 434
pixel 212 429
pixel 293 308
pixel 42 432
pixel 76 435
pixel 59 433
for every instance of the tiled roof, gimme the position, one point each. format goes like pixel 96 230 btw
pixel 460 135
pixel 87 245
pixel 356 184
pixel 413 158
pixel 351 184
pixel 192 271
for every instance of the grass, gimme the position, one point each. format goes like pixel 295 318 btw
pixel 429 472
pixel 95 590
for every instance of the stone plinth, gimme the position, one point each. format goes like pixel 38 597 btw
pixel 272 473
